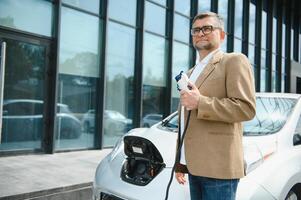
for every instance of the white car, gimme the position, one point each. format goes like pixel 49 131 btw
pixel 139 167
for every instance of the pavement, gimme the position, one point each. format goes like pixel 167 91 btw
pixel 39 175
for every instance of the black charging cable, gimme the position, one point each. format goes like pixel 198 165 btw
pixel 178 154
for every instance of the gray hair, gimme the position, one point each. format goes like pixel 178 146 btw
pixel 219 20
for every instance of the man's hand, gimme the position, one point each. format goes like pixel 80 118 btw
pixel 180 178
pixel 189 99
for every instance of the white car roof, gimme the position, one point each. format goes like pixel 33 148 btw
pixel 274 94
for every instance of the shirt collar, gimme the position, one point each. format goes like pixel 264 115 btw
pixel 205 60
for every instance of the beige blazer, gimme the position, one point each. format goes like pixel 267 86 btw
pixel 213 142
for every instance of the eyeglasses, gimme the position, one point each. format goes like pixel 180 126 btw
pixel 205 30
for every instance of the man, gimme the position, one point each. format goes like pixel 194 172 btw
pixel 222 95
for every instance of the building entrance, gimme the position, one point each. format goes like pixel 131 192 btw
pixel 23 69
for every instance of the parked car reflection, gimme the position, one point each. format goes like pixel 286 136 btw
pixel 151 119
pixel 23 121
pixel 115 123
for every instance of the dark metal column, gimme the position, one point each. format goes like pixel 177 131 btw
pixel 258 44
pixel 169 35
pixel 245 27
pixel 101 81
pixel 138 74
pixel 269 41
pixel 230 25
pixel 51 85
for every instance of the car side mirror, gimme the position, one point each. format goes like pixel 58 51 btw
pixel 297 139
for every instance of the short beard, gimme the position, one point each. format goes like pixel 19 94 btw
pixel 207 47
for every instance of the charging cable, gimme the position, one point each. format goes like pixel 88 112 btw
pixel 182 81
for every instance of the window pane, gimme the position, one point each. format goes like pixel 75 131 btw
pixel 162 2
pixel 251 54
pixel 181 29
pixel 19 15
pixel 263 29
pixel 124 11
pixel 183 6
pixel 274 35
pixel 224 45
pixel 154 71
pixel 283 40
pixel 237 45
pixel 91 5
pixel 292 44
pixel 180 62
pixel 223 11
pixel 273 81
pixel 119 98
pixel 154 75
pixel 154 18
pixel 252 23
pixel 204 5
pixel 300 46
pixel 282 82
pixel 78 74
pixel 238 18
pixel 262 80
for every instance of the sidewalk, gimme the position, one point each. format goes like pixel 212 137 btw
pixel 28 176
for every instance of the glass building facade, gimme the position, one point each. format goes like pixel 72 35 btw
pixel 80 74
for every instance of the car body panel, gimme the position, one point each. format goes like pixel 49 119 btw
pixel 275 160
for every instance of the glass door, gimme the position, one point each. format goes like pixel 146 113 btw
pixel 23 66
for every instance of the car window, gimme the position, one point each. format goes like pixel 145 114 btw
pixel 298 128
pixel 271 115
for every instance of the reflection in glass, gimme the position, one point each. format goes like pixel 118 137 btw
pixel 292 44
pixel 91 5
pixel 19 15
pixel 154 74
pixel 237 45
pixel 181 28
pixel 251 54
pixel 78 74
pixel 262 80
pixel 204 5
pixel 154 18
pixel 238 18
pixel 223 11
pixel 271 115
pixel 283 39
pixel 273 81
pixel 252 23
pixel 274 35
pixel 124 11
pixel 154 66
pixel 263 29
pixel 183 6
pixel 162 2
pixel 23 105
pixel 119 96
pixel 180 63
pixel 224 45
pixel 282 83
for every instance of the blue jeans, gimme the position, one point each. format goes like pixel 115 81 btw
pixel 203 188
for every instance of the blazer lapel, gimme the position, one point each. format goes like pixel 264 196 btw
pixel 209 68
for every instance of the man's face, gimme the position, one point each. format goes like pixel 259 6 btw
pixel 208 41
